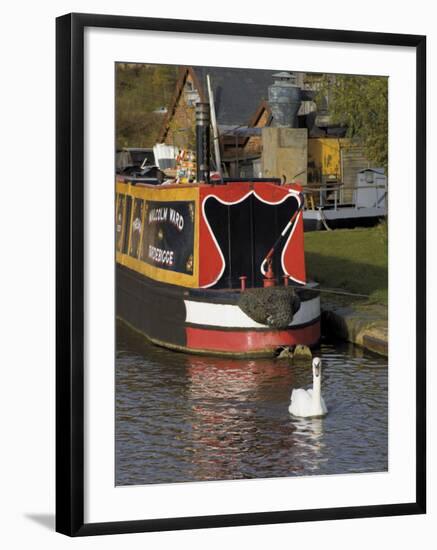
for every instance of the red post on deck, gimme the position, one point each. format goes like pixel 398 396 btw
pixel 243 279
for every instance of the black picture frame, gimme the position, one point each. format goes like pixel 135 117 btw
pixel 70 272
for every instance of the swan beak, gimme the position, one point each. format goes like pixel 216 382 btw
pixel 317 367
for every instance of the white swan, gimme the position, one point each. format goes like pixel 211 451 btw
pixel 308 403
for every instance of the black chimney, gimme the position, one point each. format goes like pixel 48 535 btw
pixel 202 141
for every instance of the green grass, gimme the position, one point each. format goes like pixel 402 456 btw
pixel 353 260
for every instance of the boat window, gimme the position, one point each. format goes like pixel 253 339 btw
pixel 119 211
pixel 136 228
pixel 127 217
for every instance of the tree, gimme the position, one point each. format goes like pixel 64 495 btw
pixel 140 90
pixel 361 104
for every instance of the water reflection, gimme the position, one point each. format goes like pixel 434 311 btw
pixel 186 418
pixel 225 423
pixel 308 438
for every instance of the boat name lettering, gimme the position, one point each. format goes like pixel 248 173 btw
pixel 165 214
pixel 161 256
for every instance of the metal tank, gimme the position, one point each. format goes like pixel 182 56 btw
pixel 284 99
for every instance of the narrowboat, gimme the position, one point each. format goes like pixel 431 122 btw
pixel 214 266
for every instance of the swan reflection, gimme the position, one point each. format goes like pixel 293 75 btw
pixel 308 442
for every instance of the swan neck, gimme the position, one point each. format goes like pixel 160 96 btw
pixel 317 387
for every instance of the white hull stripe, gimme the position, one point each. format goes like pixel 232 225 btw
pixel 231 316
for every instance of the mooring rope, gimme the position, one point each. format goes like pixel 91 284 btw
pixel 332 291
pixel 323 218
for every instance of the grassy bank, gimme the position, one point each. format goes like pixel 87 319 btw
pixel 354 260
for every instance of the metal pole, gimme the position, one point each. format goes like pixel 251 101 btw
pixel 202 142
pixel 214 129
pixel 236 153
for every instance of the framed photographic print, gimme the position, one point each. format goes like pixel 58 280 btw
pixel 240 274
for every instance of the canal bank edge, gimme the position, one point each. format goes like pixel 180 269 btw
pixel 366 326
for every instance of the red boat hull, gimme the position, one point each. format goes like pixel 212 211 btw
pixel 250 341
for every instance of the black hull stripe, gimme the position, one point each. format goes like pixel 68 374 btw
pixel 157 310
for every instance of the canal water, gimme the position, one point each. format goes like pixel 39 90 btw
pixel 191 418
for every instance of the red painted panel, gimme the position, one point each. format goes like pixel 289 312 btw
pixel 210 270
pixel 294 259
pixel 270 192
pixel 250 340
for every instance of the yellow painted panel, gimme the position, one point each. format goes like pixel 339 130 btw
pixel 158 274
pixel 160 192
pixel 179 193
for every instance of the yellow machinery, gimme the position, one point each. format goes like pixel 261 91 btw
pixel 324 160
pixel 334 163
